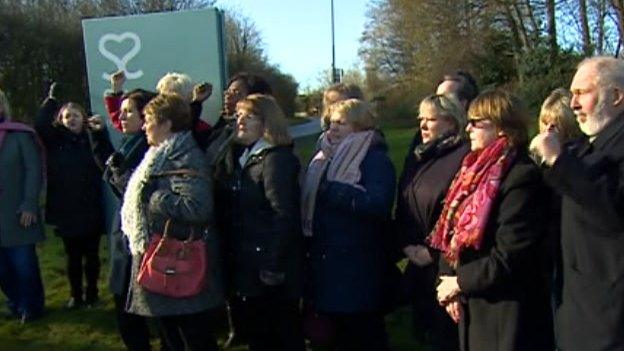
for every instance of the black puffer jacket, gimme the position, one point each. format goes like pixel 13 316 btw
pixel 74 192
pixel 264 241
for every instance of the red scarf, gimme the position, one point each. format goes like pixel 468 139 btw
pixel 468 203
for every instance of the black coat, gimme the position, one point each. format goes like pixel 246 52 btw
pixel 590 178
pixel 422 188
pixel 74 192
pixel 118 167
pixel 507 305
pixel 263 225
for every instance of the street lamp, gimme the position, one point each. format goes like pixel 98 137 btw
pixel 335 77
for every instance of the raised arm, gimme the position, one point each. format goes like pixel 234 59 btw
pixel 112 101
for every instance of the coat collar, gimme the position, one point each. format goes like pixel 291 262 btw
pixel 612 130
pixel 260 146
pixel 583 145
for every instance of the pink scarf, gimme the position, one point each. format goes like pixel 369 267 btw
pixel 8 126
pixel 468 203
pixel 342 163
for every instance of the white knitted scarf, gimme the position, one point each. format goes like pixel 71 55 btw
pixel 133 214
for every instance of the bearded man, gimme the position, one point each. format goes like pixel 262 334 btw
pixel 589 176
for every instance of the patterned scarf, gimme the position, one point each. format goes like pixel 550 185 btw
pixel 468 203
pixel 342 162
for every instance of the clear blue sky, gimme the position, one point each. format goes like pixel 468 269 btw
pixel 297 33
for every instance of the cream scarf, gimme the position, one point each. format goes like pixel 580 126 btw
pixel 133 211
pixel 342 164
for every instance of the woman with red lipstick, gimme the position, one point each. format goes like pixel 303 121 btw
pixel 74 197
pixel 489 233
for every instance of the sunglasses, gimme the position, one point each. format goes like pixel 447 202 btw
pixel 479 122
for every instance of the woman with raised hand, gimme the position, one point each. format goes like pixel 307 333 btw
pixel 74 194
pixel 264 234
pixel 172 185
pixel 557 116
pixel 21 171
pixel 219 140
pixel 347 199
pixel 422 186
pixel 170 83
pixel 489 232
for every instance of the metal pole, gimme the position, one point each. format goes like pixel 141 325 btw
pixel 333 69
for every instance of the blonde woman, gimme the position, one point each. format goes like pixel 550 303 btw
pixel 347 198
pixel 338 92
pixel 556 114
pixel 428 172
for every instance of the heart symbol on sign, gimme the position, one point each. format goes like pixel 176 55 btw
pixel 123 62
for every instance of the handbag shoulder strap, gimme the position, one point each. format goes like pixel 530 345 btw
pixel 191 237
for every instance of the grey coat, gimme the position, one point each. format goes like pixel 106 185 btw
pixel 186 199
pixel 20 187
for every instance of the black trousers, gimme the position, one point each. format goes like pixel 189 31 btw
pixel 195 331
pixel 78 248
pixel 431 324
pixel 133 328
pixel 269 323
pixel 358 332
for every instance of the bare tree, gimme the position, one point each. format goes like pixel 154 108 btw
pixel 618 7
pixel 584 22
pixel 551 18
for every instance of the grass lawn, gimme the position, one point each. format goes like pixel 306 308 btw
pixel 95 330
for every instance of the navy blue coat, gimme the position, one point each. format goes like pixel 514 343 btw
pixel 348 259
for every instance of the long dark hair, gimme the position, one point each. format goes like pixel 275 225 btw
pixel 140 98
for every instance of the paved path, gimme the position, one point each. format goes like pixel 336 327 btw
pixel 309 128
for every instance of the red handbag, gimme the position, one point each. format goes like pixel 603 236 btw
pixel 317 327
pixel 174 268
